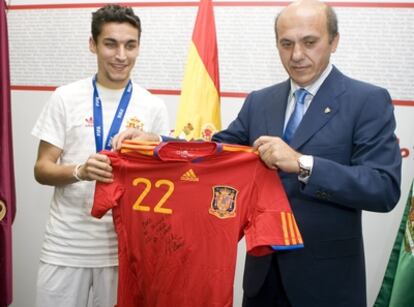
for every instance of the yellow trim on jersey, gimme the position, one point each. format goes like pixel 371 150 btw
pixel 147 146
pixel 284 228
pixel 291 234
pixel 291 229
pixel 297 232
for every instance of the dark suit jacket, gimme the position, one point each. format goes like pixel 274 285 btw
pixel 349 129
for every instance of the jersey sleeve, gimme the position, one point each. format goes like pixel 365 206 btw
pixel 271 221
pixel 107 195
pixel 51 124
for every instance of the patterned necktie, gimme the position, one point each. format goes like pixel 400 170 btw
pixel 297 114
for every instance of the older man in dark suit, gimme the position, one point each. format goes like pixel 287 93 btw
pixel 336 153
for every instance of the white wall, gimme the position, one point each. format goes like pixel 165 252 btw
pixel 49 48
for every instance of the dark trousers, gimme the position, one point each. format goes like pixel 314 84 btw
pixel 272 293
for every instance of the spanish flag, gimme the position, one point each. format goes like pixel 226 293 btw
pixel 199 108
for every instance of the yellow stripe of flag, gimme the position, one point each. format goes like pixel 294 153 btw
pixel 199 108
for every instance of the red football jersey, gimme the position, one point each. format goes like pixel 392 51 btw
pixel 180 209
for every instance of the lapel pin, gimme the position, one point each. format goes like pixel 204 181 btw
pixel 327 110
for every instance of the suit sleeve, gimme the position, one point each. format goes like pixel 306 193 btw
pixel 107 195
pixel 371 181
pixel 238 130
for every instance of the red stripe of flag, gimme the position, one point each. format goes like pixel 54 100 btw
pixel 204 38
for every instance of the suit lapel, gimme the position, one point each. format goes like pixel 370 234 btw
pixel 275 109
pixel 322 108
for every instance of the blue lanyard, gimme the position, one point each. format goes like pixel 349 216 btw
pixel 118 117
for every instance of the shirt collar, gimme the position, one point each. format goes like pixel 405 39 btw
pixel 314 87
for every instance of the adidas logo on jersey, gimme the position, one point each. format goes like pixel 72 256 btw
pixel 89 121
pixel 189 176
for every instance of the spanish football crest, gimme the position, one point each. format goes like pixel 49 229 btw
pixel 223 203
pixel 134 122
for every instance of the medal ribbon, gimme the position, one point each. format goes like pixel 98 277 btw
pixel 118 117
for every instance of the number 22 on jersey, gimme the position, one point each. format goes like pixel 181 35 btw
pixel 158 208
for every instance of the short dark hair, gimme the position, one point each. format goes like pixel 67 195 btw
pixel 113 13
pixel 331 20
